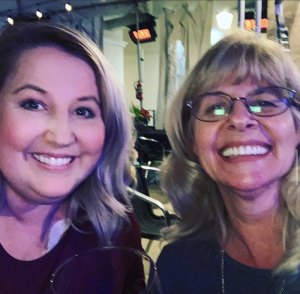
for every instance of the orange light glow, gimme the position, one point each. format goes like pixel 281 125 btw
pixel 249 24
pixel 143 34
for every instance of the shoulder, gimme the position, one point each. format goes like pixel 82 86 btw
pixel 187 264
pixel 187 250
pixel 129 235
pixel 189 254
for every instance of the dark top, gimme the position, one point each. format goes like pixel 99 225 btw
pixel 90 273
pixel 193 266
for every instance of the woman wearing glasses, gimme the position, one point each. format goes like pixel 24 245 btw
pixel 233 174
pixel 65 140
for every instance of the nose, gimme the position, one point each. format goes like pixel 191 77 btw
pixel 60 132
pixel 240 118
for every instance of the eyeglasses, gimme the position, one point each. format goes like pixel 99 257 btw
pixel 110 269
pixel 264 102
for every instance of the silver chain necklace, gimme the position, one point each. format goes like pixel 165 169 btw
pixel 281 290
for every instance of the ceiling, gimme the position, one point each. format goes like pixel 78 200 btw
pixel 115 13
pixel 25 9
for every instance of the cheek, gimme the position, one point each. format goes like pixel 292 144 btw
pixel 204 143
pixel 286 134
pixel 15 133
pixel 93 139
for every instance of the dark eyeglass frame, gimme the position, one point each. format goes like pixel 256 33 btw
pixel 288 101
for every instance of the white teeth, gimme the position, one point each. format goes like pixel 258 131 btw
pixel 244 150
pixel 53 161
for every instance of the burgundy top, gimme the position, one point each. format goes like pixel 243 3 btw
pixel 95 273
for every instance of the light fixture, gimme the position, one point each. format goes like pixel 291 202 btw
pixel 146 32
pixel 224 19
pixel 38 12
pixel 68 7
pixel 10 20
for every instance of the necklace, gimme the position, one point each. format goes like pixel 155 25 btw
pixel 281 289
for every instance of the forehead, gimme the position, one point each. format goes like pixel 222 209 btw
pixel 50 60
pixel 43 53
pixel 52 69
pixel 236 80
pixel 234 85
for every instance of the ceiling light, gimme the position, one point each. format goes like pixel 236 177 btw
pixel 39 14
pixel 68 7
pixel 224 19
pixel 10 20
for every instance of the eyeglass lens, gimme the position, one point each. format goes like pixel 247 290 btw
pixel 262 102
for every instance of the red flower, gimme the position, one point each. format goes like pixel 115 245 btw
pixel 145 113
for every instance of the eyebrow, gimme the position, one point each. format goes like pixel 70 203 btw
pixel 31 87
pixel 88 98
pixel 42 91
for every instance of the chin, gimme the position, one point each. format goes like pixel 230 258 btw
pixel 251 186
pixel 53 195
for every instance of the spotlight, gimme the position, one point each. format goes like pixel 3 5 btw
pixel 10 20
pixel 39 14
pixel 68 7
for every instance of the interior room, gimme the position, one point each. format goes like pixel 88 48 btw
pixel 152 70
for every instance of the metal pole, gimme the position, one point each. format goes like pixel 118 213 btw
pixel 241 4
pixel 140 80
pixel 258 16
pixel 138 43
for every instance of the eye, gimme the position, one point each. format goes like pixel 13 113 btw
pixel 214 105
pixel 85 112
pixel 32 104
pixel 266 103
pixel 216 109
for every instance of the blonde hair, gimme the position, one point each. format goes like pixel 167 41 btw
pixel 194 195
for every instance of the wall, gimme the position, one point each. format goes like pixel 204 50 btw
pixel 113 49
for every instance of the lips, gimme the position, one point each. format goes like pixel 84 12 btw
pixel 53 161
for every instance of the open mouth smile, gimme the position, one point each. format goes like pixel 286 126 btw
pixel 53 161
pixel 245 150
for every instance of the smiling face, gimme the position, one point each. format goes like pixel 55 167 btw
pixel 244 152
pixel 51 129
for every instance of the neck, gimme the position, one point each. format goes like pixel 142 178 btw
pixel 24 226
pixel 254 228
pixel 253 205
pixel 18 211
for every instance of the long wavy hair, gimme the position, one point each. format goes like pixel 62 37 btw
pixel 102 195
pixel 193 194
